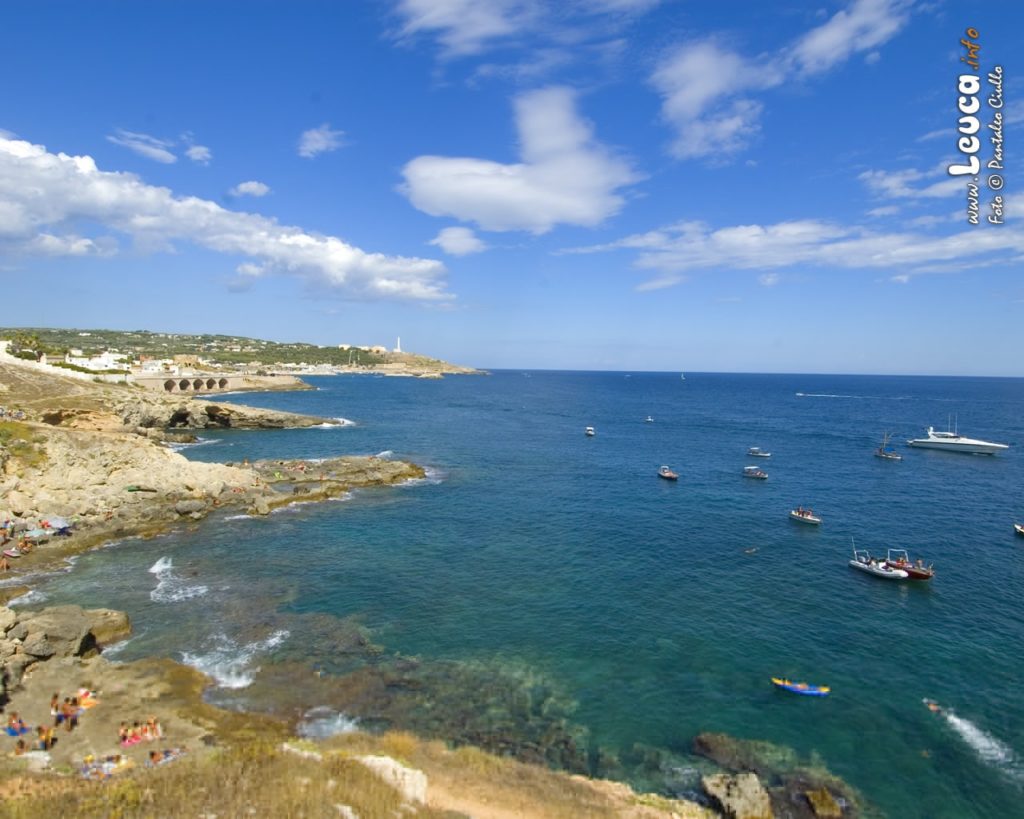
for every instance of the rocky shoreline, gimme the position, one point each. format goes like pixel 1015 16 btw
pixel 100 459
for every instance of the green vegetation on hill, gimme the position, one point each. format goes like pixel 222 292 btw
pixel 219 349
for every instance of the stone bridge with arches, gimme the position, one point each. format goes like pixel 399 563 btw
pixel 216 382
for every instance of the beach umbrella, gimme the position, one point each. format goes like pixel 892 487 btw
pixel 37 534
pixel 58 523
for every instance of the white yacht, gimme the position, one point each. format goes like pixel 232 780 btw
pixel 955 442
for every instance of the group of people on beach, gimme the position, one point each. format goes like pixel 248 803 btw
pixel 16 727
pixel 136 732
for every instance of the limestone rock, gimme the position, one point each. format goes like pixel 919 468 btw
pixel 409 782
pixel 187 507
pixel 741 796
pixel 38 646
pixel 65 628
pixel 8 618
pixel 108 626
pixel 824 804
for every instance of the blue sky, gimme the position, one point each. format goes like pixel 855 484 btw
pixel 585 184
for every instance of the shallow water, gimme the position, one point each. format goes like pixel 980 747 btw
pixel 560 571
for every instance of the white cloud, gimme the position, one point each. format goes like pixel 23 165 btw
pixel 199 153
pixel 768 279
pixel 145 145
pixel 885 210
pixel 43 194
pixel 687 246
pixel 865 25
pixel 565 176
pixel 458 241
pixel 938 133
pixel 251 188
pixel 898 184
pixel 706 87
pixel 320 140
pixel 466 26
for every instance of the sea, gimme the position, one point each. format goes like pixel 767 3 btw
pixel 544 593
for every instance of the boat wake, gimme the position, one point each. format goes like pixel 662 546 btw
pixel 228 663
pixel 989 749
pixel 322 722
pixel 170 588
pixel 838 395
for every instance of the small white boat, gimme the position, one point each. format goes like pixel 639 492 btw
pixel 755 452
pixel 589 432
pixel 805 516
pixel 668 474
pixel 754 472
pixel 866 563
pixel 682 376
pixel 1019 528
pixel 648 420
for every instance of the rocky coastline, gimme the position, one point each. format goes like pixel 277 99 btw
pixel 98 456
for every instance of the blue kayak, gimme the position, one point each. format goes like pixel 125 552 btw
pixel 802 688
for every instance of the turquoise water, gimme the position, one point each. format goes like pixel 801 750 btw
pixel 640 610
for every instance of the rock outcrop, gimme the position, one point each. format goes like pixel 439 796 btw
pixel 741 796
pixel 795 789
pixel 27 638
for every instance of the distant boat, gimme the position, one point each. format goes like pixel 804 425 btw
pixel 899 559
pixel 667 474
pixel 953 441
pixel 866 563
pixel 1018 528
pixel 755 452
pixel 801 687
pixel 589 432
pixel 754 472
pixel 886 451
pixel 805 516
pixel 648 420
pixel 682 376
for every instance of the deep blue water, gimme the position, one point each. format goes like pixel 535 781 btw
pixel 566 557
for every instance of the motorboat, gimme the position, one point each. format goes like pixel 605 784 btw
pixel 755 452
pixel 916 570
pixel 589 432
pixel 648 420
pixel 754 472
pixel 667 474
pixel 953 441
pixel 1019 528
pixel 805 516
pixel 866 563
pixel 801 687
pixel 886 451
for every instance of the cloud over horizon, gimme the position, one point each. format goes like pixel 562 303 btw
pixel 47 199
pixel 565 176
pixel 692 246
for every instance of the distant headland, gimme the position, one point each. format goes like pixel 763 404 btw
pixel 207 363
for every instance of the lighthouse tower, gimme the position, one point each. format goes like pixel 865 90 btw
pixel 398 345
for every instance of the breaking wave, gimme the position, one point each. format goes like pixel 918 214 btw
pixel 322 722
pixel 229 663
pixel 170 588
